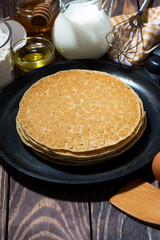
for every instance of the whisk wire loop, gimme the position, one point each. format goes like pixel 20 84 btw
pixel 127 35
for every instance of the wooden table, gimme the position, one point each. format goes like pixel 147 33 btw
pixel 32 209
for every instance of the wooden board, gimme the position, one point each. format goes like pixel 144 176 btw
pixel 139 199
pixel 108 223
pixel 31 209
pixel 4 188
pixel 39 209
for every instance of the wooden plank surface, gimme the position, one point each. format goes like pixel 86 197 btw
pixel 109 223
pixel 6 8
pixel 153 3
pixel 130 6
pixel 124 7
pixel 4 188
pixel 32 209
pixel 40 210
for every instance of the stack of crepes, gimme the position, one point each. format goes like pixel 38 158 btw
pixel 80 117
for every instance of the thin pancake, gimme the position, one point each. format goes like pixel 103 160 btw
pixel 79 111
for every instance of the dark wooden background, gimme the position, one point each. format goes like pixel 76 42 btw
pixel 35 210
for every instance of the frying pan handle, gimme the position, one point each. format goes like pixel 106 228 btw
pixel 153 63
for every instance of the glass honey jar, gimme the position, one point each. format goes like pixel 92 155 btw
pixel 23 13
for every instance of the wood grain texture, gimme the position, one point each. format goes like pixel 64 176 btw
pixel 4 187
pixel 136 199
pixel 124 7
pixel 130 6
pixel 108 223
pixel 6 8
pixel 153 3
pixel 39 210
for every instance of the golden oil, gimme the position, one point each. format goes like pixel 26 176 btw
pixel 22 13
pixel 33 54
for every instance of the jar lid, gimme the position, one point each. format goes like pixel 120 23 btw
pixel 4 25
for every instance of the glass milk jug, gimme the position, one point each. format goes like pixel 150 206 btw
pixel 80 29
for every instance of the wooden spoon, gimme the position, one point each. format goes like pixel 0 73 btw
pixel 140 200
pixel 42 14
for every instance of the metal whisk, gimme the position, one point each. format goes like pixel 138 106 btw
pixel 127 35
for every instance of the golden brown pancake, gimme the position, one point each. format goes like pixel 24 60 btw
pixel 77 115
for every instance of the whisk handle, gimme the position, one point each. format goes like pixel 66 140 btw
pixel 144 6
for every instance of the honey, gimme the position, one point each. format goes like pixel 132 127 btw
pixel 22 13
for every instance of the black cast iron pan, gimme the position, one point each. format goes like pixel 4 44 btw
pixel 13 151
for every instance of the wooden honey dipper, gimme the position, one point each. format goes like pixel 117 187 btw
pixel 42 14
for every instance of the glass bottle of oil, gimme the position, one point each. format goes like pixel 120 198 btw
pixel 22 13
